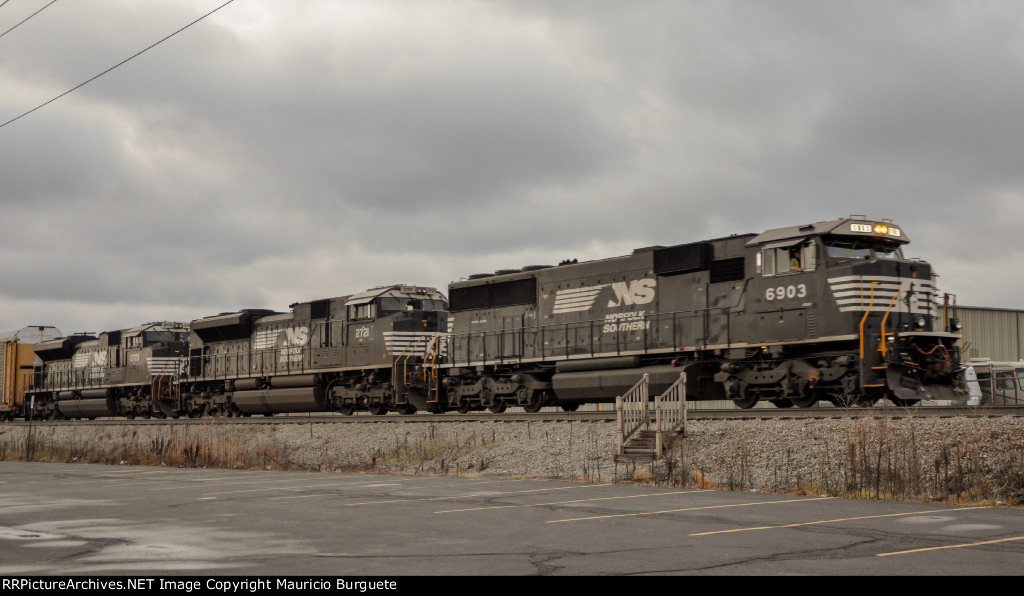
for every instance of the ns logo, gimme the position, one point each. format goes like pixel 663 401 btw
pixel 296 336
pixel 638 291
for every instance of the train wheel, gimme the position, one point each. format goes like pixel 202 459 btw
pixel 464 406
pixel 782 403
pixel 498 407
pixel 807 401
pixel 570 407
pixel 378 409
pixel 534 403
pixel 406 409
pixel 347 410
pixel 746 402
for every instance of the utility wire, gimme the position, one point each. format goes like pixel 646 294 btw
pixel 114 66
pixel 5 2
pixel 26 18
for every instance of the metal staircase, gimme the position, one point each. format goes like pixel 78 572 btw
pixel 646 435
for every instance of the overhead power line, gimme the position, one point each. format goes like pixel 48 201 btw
pixel 139 53
pixel 26 18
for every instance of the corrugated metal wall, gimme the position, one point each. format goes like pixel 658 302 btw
pixel 994 333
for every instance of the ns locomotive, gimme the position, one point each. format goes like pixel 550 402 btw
pixel 356 352
pixel 826 311
pixel 793 316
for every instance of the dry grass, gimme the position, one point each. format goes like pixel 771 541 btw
pixel 876 461
pixel 203 446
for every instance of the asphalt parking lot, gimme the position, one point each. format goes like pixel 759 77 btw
pixel 71 519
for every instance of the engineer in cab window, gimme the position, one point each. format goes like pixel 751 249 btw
pixel 794 259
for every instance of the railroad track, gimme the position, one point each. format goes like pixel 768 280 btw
pixel 558 416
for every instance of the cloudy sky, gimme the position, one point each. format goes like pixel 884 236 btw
pixel 279 151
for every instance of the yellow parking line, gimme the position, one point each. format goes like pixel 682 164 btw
pixel 678 492
pixel 921 550
pixel 828 521
pixel 555 521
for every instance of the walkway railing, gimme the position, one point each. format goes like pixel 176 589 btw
pixel 635 422
pixel 633 412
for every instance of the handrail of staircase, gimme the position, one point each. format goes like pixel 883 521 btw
pixel 633 409
pixel 670 411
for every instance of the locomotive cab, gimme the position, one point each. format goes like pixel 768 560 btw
pixel 851 316
pixel 392 331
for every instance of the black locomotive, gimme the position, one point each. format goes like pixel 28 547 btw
pixel 130 372
pixel 359 352
pixel 830 310
pixel 827 311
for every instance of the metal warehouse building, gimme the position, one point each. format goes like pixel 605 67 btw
pixel 995 333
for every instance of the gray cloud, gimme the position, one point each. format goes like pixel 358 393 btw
pixel 267 156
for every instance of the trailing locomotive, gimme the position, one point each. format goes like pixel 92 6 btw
pixel 360 352
pixel 130 372
pixel 826 311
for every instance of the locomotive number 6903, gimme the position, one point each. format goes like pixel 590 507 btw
pixel 781 292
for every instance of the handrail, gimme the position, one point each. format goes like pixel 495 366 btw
pixel 885 318
pixel 633 408
pixel 865 318
pixel 667 418
pixel 408 352
pixel 461 345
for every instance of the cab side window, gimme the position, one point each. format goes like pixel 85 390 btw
pixel 780 260
pixel 361 311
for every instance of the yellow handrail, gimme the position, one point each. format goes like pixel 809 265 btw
pixel 885 318
pixel 865 318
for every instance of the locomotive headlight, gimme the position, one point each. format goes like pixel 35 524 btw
pixel 920 322
pixel 881 229
pixel 955 324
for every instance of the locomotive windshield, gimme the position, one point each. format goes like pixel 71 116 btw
pixel 396 304
pixel 842 251
pixel 434 305
pixel 158 336
pixel 390 305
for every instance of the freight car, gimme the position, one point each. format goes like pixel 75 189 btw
pixel 359 352
pixel 17 360
pixel 826 311
pixel 129 372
